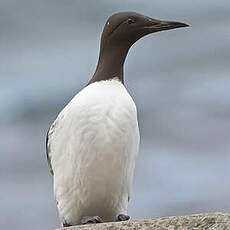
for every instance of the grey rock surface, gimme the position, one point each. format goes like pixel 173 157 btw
pixel 220 221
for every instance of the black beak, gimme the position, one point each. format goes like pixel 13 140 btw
pixel 156 26
pixel 166 25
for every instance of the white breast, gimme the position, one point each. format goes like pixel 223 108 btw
pixel 93 145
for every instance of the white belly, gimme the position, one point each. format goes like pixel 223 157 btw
pixel 93 146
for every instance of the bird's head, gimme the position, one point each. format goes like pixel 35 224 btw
pixel 121 31
pixel 125 28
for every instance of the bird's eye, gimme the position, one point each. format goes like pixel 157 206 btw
pixel 131 21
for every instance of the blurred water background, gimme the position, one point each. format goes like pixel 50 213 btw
pixel 179 79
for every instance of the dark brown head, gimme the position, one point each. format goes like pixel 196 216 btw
pixel 121 31
pixel 127 27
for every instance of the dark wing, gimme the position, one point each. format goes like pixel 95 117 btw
pixel 48 150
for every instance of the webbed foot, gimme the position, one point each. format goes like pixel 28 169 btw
pixel 66 224
pixel 91 220
pixel 122 217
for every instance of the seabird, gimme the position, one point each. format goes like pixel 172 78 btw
pixel 93 143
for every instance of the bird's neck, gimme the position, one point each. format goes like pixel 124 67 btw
pixel 110 64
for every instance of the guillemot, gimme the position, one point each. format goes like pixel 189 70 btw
pixel 93 143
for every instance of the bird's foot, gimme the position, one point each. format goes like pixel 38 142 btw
pixel 91 220
pixel 66 224
pixel 122 217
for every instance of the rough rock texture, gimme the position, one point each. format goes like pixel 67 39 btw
pixel 212 221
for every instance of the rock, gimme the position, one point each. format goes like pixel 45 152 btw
pixel 212 221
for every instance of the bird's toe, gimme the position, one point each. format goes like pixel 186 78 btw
pixel 91 220
pixel 122 217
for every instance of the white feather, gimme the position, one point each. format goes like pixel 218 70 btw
pixel 93 146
